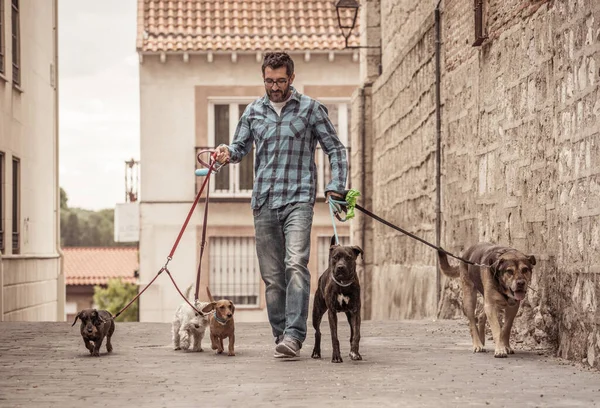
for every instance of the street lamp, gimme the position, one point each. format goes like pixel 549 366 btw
pixel 348 11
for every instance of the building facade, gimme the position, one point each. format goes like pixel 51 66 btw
pixel 200 65
pixel 31 281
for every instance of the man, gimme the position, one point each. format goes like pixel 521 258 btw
pixel 285 126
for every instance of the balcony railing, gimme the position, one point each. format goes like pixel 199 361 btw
pixel 15 242
pixel 236 180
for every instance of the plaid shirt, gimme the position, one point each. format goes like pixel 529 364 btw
pixel 285 169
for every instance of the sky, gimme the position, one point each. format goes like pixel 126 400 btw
pixel 99 99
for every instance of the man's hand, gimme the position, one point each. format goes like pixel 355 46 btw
pixel 334 195
pixel 338 208
pixel 222 154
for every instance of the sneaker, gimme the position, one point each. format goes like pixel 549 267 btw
pixel 288 348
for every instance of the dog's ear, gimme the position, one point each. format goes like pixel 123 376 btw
pixel 358 251
pixel 76 317
pixel 209 308
pixel 96 320
pixel 333 240
pixel 232 307
pixel 494 262
pixel 531 259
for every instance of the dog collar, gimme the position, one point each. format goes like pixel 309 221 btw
pixel 344 285
pixel 219 320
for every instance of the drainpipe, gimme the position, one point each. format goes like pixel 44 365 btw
pixel 438 148
pixel 363 182
pixel 61 289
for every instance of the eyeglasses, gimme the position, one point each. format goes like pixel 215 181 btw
pixel 280 82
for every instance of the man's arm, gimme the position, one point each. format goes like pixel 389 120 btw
pixel 241 144
pixel 333 148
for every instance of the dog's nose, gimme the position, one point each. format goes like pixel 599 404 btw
pixel 197 326
pixel 229 315
pixel 521 284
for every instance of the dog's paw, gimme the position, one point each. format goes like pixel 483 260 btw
pixel 479 349
pixel 219 351
pixel 176 348
pixel 510 350
pixel 501 352
pixel 336 358
pixel 109 348
pixel 231 354
pixel 95 354
pixel 316 354
pixel 355 356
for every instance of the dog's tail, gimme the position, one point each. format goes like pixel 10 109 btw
pixel 188 290
pixel 210 298
pixel 447 269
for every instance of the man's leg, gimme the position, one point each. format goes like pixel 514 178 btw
pixel 270 251
pixel 297 226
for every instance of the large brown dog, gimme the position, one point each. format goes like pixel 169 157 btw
pixel 220 323
pixel 503 284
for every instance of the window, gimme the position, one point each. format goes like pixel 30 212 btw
pixel 1 36
pixel 323 245
pixel 1 201
pixel 16 164
pixel 235 180
pixel 16 43
pixel 480 22
pixel 234 272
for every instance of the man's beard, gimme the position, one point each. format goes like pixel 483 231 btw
pixel 279 95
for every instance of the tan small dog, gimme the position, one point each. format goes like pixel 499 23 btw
pixel 221 323
pixel 503 285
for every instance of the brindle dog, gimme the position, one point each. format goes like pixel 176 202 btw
pixel 95 325
pixel 338 291
pixel 503 284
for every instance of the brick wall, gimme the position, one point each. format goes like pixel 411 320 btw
pixel 520 158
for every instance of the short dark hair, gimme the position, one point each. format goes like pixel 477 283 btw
pixel 276 60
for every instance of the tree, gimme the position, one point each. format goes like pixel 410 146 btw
pixel 63 199
pixel 79 227
pixel 72 232
pixel 115 296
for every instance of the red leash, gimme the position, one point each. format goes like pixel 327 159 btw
pixel 211 169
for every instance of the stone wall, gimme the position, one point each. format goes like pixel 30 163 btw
pixel 403 187
pixel 520 158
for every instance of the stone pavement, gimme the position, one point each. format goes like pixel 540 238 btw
pixel 406 363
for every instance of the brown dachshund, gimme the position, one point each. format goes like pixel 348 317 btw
pixel 221 323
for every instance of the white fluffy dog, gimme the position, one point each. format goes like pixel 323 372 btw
pixel 188 325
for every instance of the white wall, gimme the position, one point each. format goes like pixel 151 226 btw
pixel 32 285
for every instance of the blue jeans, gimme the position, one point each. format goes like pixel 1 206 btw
pixel 283 249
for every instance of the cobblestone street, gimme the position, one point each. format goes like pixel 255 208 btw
pixel 406 363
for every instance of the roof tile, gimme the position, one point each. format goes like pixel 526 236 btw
pixel 95 266
pixel 238 25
